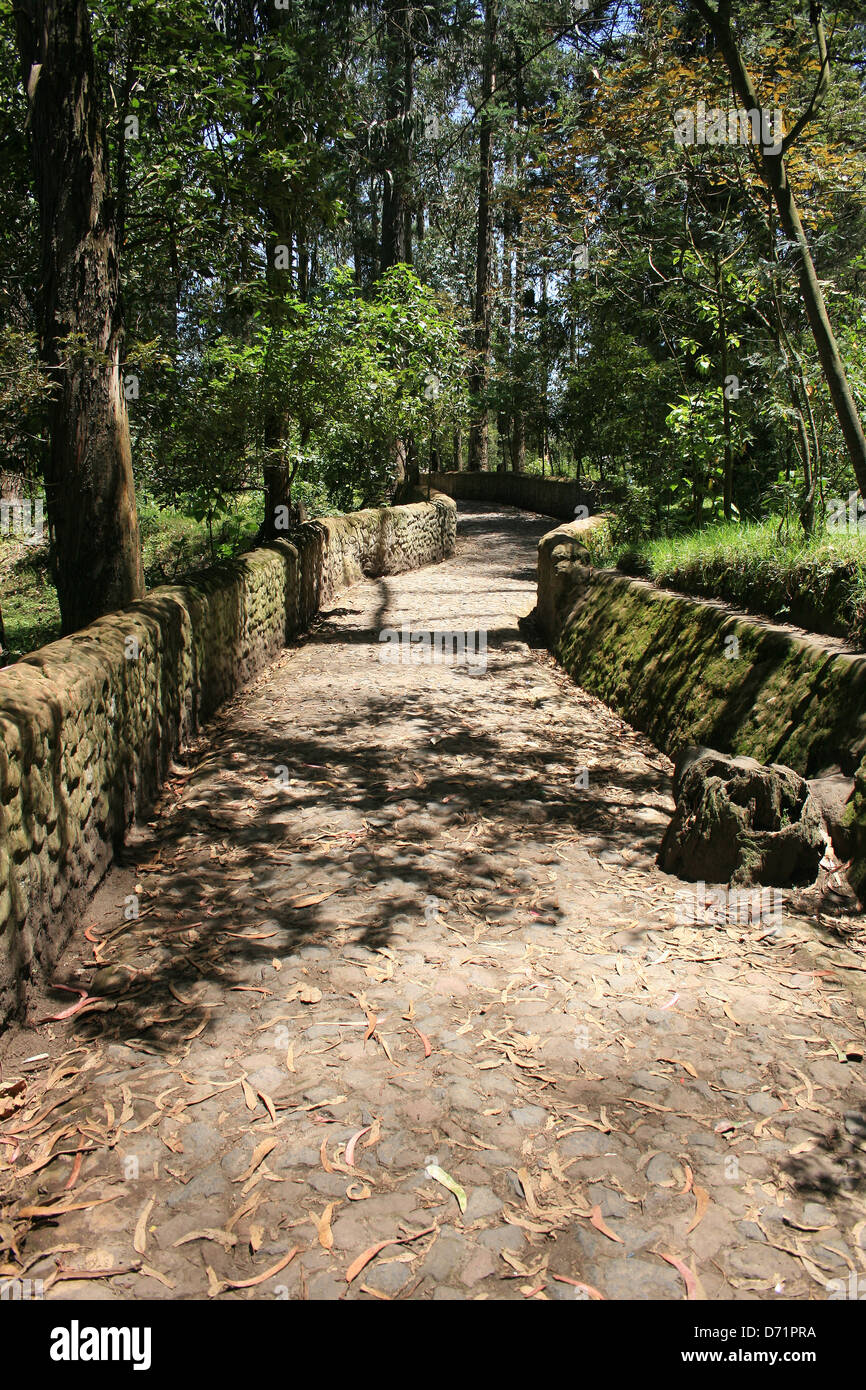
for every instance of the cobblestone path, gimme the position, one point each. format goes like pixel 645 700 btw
pixel 389 940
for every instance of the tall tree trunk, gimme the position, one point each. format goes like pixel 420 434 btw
pixel 479 432
pixel 728 444
pixel 518 438
pixel 775 176
pixel 399 90
pixel 89 483
pixel 396 202
pixel 277 471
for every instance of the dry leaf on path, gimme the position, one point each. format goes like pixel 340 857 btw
pixel 702 1201
pixel 139 1240
pixel 679 1062
pixel 311 899
pixel 439 1175
pixel 363 1260
pixel 217 1286
pixel 260 1152
pixel 223 1238
pixel 350 1147
pixel 575 1283
pixel 323 1226
pixel 694 1289
pixel 596 1220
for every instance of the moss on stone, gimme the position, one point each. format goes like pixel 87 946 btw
pixel 87 734
pixel 688 671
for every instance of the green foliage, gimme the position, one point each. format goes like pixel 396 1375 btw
pixel 326 390
pixel 254 152
pixel 817 582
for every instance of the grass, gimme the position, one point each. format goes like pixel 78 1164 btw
pixel 31 616
pixel 173 545
pixel 818 582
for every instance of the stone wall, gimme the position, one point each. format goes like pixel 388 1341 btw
pixel 690 671
pixel 548 496
pixel 89 724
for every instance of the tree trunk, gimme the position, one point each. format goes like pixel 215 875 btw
pixel 89 483
pixel 518 445
pixel 728 465
pixel 399 89
pixel 775 176
pixel 479 432
pixel 396 204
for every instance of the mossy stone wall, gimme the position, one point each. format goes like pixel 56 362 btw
pixel 89 724
pixel 548 496
pixel 689 671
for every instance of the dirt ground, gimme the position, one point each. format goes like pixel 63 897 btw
pixel 409 1012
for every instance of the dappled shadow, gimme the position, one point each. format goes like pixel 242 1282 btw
pixel 238 825
pixel 317 822
pixel 836 1164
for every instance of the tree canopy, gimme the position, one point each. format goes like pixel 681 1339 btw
pixel 354 240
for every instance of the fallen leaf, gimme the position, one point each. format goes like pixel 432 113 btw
pixel 350 1147
pixel 597 1221
pixel 268 1104
pixel 702 1201
pixel 32 1213
pixel 363 1260
pixel 528 1193
pixel 260 1152
pixel 694 1290
pixel 217 1286
pixel 76 1169
pixel 155 1274
pixel 439 1175
pixel 575 1283
pixel 139 1240
pixel 323 1227
pixel 223 1238
pixel 311 899
pixel 678 1062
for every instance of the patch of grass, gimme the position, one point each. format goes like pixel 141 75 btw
pixel 818 582
pixel 173 544
pixel 31 616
